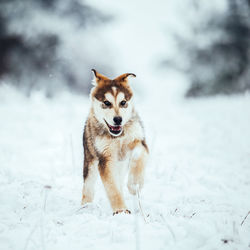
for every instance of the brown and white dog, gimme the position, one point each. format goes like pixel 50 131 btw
pixel 113 140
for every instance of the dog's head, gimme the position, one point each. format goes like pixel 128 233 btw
pixel 112 101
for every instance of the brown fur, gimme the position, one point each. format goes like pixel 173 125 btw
pixel 105 86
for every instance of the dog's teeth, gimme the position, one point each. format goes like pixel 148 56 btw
pixel 115 128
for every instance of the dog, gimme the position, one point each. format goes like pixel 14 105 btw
pixel 114 142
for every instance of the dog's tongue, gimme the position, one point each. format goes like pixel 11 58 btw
pixel 115 128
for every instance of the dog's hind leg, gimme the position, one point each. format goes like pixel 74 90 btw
pixel 137 167
pixel 90 175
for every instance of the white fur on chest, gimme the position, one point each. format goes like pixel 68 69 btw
pixel 115 146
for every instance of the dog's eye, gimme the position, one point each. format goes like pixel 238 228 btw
pixel 107 103
pixel 123 103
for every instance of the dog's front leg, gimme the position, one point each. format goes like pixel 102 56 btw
pixel 137 168
pixel 114 194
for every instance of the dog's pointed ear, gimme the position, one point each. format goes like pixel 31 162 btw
pixel 124 77
pixel 98 77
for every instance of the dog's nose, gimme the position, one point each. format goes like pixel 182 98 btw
pixel 117 120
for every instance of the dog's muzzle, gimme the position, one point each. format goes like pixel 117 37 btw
pixel 114 130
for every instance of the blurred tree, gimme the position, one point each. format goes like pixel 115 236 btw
pixel 227 59
pixel 221 64
pixel 31 42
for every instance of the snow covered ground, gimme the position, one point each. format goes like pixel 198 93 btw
pixel 197 184
pixel 197 188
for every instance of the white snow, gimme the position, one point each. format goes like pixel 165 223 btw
pixel 197 184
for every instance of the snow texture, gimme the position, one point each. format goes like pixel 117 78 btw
pixel 197 184
pixel 196 192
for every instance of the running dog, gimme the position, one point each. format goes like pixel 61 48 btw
pixel 113 141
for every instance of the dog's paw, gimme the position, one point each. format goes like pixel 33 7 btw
pixel 126 211
pixel 133 187
pixel 135 183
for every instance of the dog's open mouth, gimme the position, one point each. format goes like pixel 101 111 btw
pixel 116 130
